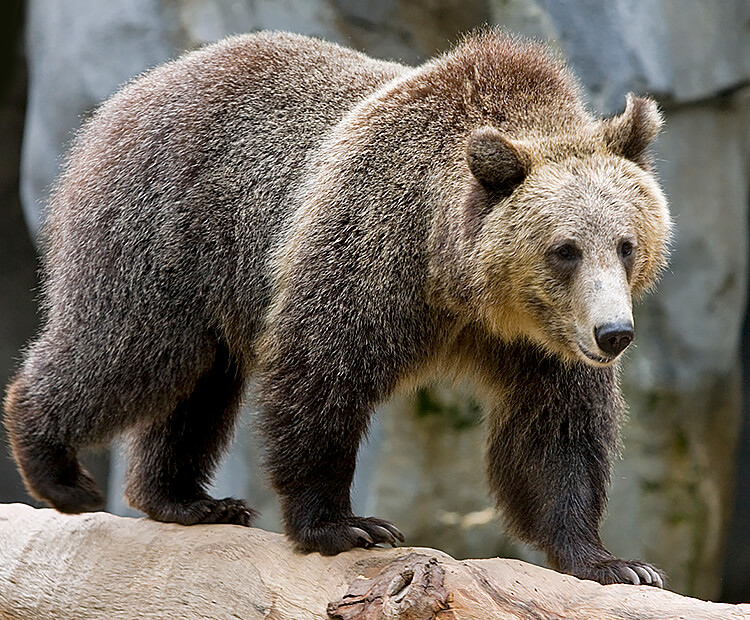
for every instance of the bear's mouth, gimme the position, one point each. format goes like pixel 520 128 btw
pixel 599 359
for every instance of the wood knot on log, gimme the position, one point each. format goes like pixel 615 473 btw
pixel 411 588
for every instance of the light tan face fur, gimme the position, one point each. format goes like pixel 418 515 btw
pixel 569 250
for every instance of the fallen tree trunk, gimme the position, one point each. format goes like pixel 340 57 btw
pixel 55 566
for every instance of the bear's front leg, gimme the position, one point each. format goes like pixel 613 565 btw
pixel 549 453
pixel 316 391
pixel 312 427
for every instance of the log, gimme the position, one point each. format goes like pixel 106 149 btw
pixel 97 565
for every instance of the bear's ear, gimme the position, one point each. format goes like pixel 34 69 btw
pixel 631 133
pixel 496 163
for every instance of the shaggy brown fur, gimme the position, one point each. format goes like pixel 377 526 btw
pixel 339 227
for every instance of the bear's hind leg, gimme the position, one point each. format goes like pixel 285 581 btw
pixel 172 459
pixel 50 414
pixel 49 468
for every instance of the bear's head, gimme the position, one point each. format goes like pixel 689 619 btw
pixel 577 228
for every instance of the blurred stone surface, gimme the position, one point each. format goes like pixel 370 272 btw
pixel 680 50
pixel 736 572
pixel 671 496
pixel 17 259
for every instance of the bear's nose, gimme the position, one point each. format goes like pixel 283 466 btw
pixel 612 338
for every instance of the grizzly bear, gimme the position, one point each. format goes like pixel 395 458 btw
pixel 337 228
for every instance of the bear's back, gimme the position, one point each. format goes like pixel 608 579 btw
pixel 177 187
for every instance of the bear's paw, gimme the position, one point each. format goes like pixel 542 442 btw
pixel 616 570
pixel 332 537
pixel 208 510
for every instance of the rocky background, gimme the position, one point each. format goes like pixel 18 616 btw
pixel 681 492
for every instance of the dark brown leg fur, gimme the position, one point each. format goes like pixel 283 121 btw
pixel 172 460
pixel 72 392
pixel 549 462
pixel 49 468
pixel 312 425
pixel 44 442
pixel 320 376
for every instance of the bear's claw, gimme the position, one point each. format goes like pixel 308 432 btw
pixel 333 537
pixel 623 571
pixel 362 534
pixel 206 510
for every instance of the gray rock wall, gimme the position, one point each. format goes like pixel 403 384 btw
pixel 17 260
pixel 672 490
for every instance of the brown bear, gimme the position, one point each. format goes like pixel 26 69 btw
pixel 337 227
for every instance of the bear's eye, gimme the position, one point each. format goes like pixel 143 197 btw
pixel 626 250
pixel 567 252
pixel 564 258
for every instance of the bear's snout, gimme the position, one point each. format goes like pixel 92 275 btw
pixel 613 338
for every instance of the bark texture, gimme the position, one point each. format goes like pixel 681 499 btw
pixel 61 567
